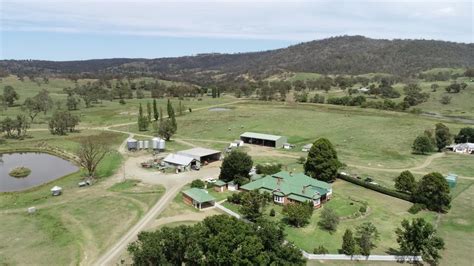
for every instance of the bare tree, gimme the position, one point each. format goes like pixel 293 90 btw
pixel 91 152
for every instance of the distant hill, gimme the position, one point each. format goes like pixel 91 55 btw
pixel 337 55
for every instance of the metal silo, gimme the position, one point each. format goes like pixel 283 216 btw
pixel 155 143
pixel 161 145
pixel 132 144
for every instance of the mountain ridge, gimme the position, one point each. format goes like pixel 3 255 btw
pixel 336 55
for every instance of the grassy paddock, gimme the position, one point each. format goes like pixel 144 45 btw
pixel 361 136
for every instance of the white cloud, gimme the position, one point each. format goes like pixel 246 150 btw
pixel 264 19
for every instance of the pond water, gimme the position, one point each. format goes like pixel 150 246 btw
pixel 44 168
pixel 219 109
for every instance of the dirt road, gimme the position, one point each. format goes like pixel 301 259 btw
pixel 173 184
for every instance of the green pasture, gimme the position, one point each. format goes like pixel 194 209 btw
pixel 361 136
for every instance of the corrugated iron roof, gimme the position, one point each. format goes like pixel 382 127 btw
pixel 178 159
pixel 199 195
pixel 298 184
pixel 254 135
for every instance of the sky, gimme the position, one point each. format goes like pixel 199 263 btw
pixel 87 29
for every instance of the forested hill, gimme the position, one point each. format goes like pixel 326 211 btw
pixel 337 55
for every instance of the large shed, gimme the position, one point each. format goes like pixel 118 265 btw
pixel 199 198
pixel 202 155
pixel 181 162
pixel 263 139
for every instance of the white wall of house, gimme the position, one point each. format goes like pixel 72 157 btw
pixel 278 199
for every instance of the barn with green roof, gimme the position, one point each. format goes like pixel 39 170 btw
pixel 287 187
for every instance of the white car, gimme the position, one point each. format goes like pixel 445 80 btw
pixel 211 180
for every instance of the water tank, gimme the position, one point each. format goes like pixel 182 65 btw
pixel 140 144
pixel 161 145
pixel 155 143
pixel 146 144
pixel 132 144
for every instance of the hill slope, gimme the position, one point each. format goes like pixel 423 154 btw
pixel 337 55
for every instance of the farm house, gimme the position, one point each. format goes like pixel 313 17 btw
pixel 198 198
pixel 263 139
pixel 287 188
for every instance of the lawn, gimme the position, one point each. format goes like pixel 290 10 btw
pixel 457 226
pixel 383 211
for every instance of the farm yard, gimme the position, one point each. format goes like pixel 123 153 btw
pixel 79 225
pixel 84 223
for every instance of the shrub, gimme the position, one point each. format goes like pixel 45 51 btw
pixel 301 160
pixel 198 183
pixel 272 212
pixel 329 219
pixel 235 198
pixel 417 207
pixel 378 188
pixel 363 209
pixel 446 99
pixel 320 250
pixel 268 169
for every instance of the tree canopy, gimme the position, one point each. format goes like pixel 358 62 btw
pixel 422 145
pixel 236 166
pixel 433 191
pixel 322 162
pixel 298 214
pixel 418 237
pixel 405 182
pixel 366 236
pixel 329 219
pixel 466 134
pixel 218 240
pixel 442 136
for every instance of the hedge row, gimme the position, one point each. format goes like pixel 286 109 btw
pixel 378 188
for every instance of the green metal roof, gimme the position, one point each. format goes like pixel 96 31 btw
pixel 286 184
pixel 220 183
pixel 199 195
pixel 254 135
pixel 298 198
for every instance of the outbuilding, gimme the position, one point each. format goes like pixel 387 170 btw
pixel 307 147
pixel 263 139
pixel 202 155
pixel 199 198
pixel 220 186
pixel 181 162
pixel 232 186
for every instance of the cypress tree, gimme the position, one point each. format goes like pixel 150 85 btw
pixel 322 162
pixel 171 116
pixel 348 243
pixel 155 110
pixel 148 110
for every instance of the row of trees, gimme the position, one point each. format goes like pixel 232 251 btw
pixel 432 191
pixel 218 240
pixel 415 238
pixel 439 138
